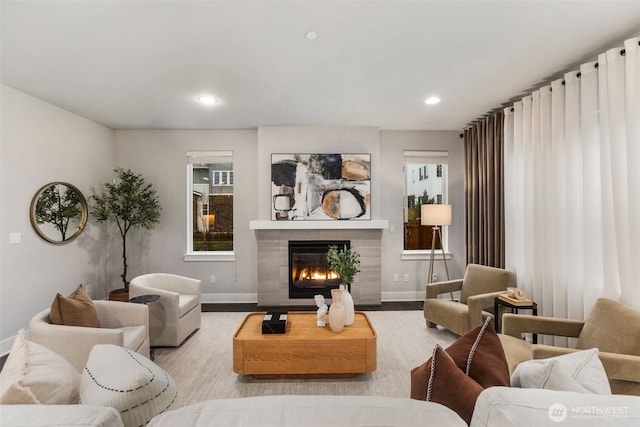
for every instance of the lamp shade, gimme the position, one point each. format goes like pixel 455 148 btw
pixel 435 215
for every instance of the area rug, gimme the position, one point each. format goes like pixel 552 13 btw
pixel 203 365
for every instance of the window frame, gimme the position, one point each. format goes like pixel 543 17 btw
pixel 223 178
pixel 190 254
pixel 407 158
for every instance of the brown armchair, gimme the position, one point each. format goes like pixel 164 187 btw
pixel 612 327
pixel 478 288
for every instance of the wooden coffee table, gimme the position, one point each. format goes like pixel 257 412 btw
pixel 305 349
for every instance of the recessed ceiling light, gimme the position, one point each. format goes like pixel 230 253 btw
pixel 432 100
pixel 311 35
pixel 207 100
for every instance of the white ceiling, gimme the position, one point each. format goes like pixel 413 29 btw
pixel 141 64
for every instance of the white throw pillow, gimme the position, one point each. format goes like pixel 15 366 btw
pixel 580 371
pixel 134 385
pixel 33 374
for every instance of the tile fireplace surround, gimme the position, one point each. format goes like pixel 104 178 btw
pixel 273 257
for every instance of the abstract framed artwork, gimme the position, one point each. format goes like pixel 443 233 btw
pixel 320 187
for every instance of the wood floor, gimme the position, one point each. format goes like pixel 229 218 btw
pixel 203 365
pixel 249 307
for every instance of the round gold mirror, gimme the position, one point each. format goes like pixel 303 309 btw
pixel 58 212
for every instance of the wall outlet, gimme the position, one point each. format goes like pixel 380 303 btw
pixel 396 277
pixel 212 279
pixel 434 278
pixel 392 228
pixel 406 277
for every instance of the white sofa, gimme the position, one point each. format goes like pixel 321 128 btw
pixel 496 406
pixel 59 415
pixel 177 314
pixel 121 323
pixel 302 411
pixel 533 407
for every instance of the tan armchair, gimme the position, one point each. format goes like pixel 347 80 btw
pixel 478 288
pixel 121 323
pixel 612 327
pixel 177 314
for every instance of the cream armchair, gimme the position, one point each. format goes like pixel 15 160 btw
pixel 612 327
pixel 121 323
pixel 177 314
pixel 478 288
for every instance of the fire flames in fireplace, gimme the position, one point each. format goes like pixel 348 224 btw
pixel 309 272
pixel 317 274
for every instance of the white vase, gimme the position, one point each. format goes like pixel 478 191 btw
pixel 347 302
pixel 336 311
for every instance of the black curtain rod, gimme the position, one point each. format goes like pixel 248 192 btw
pixel 623 52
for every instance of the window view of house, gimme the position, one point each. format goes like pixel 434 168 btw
pixel 211 210
pixel 425 182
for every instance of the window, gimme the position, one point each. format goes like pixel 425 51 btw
pixel 210 206
pixel 432 188
pixel 222 177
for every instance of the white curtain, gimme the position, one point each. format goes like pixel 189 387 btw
pixel 572 187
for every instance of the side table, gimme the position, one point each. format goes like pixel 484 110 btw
pixel 497 303
pixel 146 299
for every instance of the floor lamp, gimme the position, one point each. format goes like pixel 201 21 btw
pixel 436 216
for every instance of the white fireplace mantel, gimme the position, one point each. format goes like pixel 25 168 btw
pixel 376 224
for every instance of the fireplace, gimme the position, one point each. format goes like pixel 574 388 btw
pixel 309 272
pixel 273 239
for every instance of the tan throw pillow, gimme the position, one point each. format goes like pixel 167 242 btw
pixel 75 310
pixel 33 374
pixel 478 354
pixel 451 387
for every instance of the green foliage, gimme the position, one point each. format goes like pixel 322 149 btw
pixel 57 208
pixel 426 200
pixel 214 242
pixel 131 203
pixel 345 262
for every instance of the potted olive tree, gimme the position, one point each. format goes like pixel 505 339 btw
pixel 346 263
pixel 130 202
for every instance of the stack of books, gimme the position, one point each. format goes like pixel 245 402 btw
pixel 514 301
pixel 274 323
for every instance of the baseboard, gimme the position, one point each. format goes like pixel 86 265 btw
pixel 403 296
pixel 229 298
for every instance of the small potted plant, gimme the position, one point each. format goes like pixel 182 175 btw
pixel 346 263
pixel 130 202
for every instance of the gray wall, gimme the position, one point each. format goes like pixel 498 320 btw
pixel 43 143
pixel 40 144
pixel 392 145
pixel 160 156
